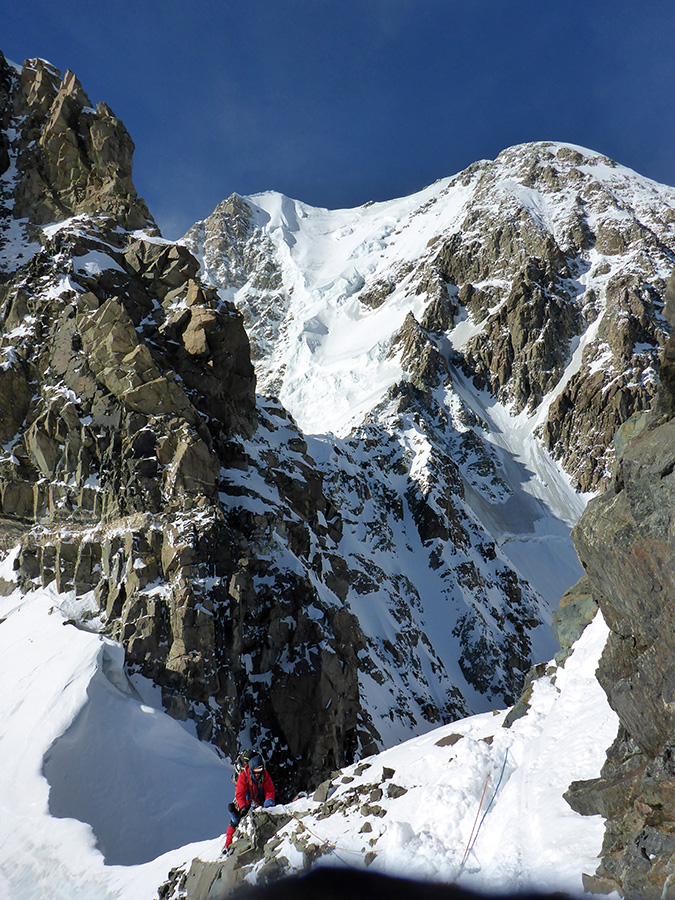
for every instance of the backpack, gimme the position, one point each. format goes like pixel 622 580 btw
pixel 241 762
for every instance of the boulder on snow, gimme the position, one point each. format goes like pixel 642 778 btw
pixel 576 610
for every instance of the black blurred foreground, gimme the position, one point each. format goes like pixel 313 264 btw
pixel 343 884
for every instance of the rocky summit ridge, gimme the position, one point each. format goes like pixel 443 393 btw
pixel 540 275
pixel 316 470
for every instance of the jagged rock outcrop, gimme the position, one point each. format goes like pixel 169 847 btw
pixel 332 884
pixel 559 242
pixel 626 543
pixel 243 259
pixel 70 158
pixel 263 590
pixel 576 610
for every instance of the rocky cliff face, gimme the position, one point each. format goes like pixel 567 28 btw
pixel 626 543
pixel 129 470
pixel 318 597
pixel 61 156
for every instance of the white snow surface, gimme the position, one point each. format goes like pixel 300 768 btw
pixel 334 350
pixel 94 262
pixel 527 836
pixel 101 793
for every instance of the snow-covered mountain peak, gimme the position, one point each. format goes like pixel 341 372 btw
pixel 325 293
pixel 324 260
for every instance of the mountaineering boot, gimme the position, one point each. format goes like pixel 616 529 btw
pixel 229 834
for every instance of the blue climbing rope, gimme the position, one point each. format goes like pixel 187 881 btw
pixel 487 810
pixel 501 776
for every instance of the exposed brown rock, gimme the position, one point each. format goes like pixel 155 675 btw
pixel 626 543
pixel 15 398
pixel 419 356
pixel 81 159
pixel 127 395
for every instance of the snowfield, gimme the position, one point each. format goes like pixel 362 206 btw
pixel 526 836
pixel 101 793
pixel 99 790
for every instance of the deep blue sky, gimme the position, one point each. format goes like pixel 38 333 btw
pixel 336 102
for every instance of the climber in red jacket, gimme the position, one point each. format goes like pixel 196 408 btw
pixel 254 788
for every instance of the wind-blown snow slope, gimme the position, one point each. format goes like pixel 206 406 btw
pixel 94 780
pixel 333 353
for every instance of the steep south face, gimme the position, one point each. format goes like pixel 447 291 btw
pixel 625 541
pixel 321 596
pixel 140 471
pixel 540 275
